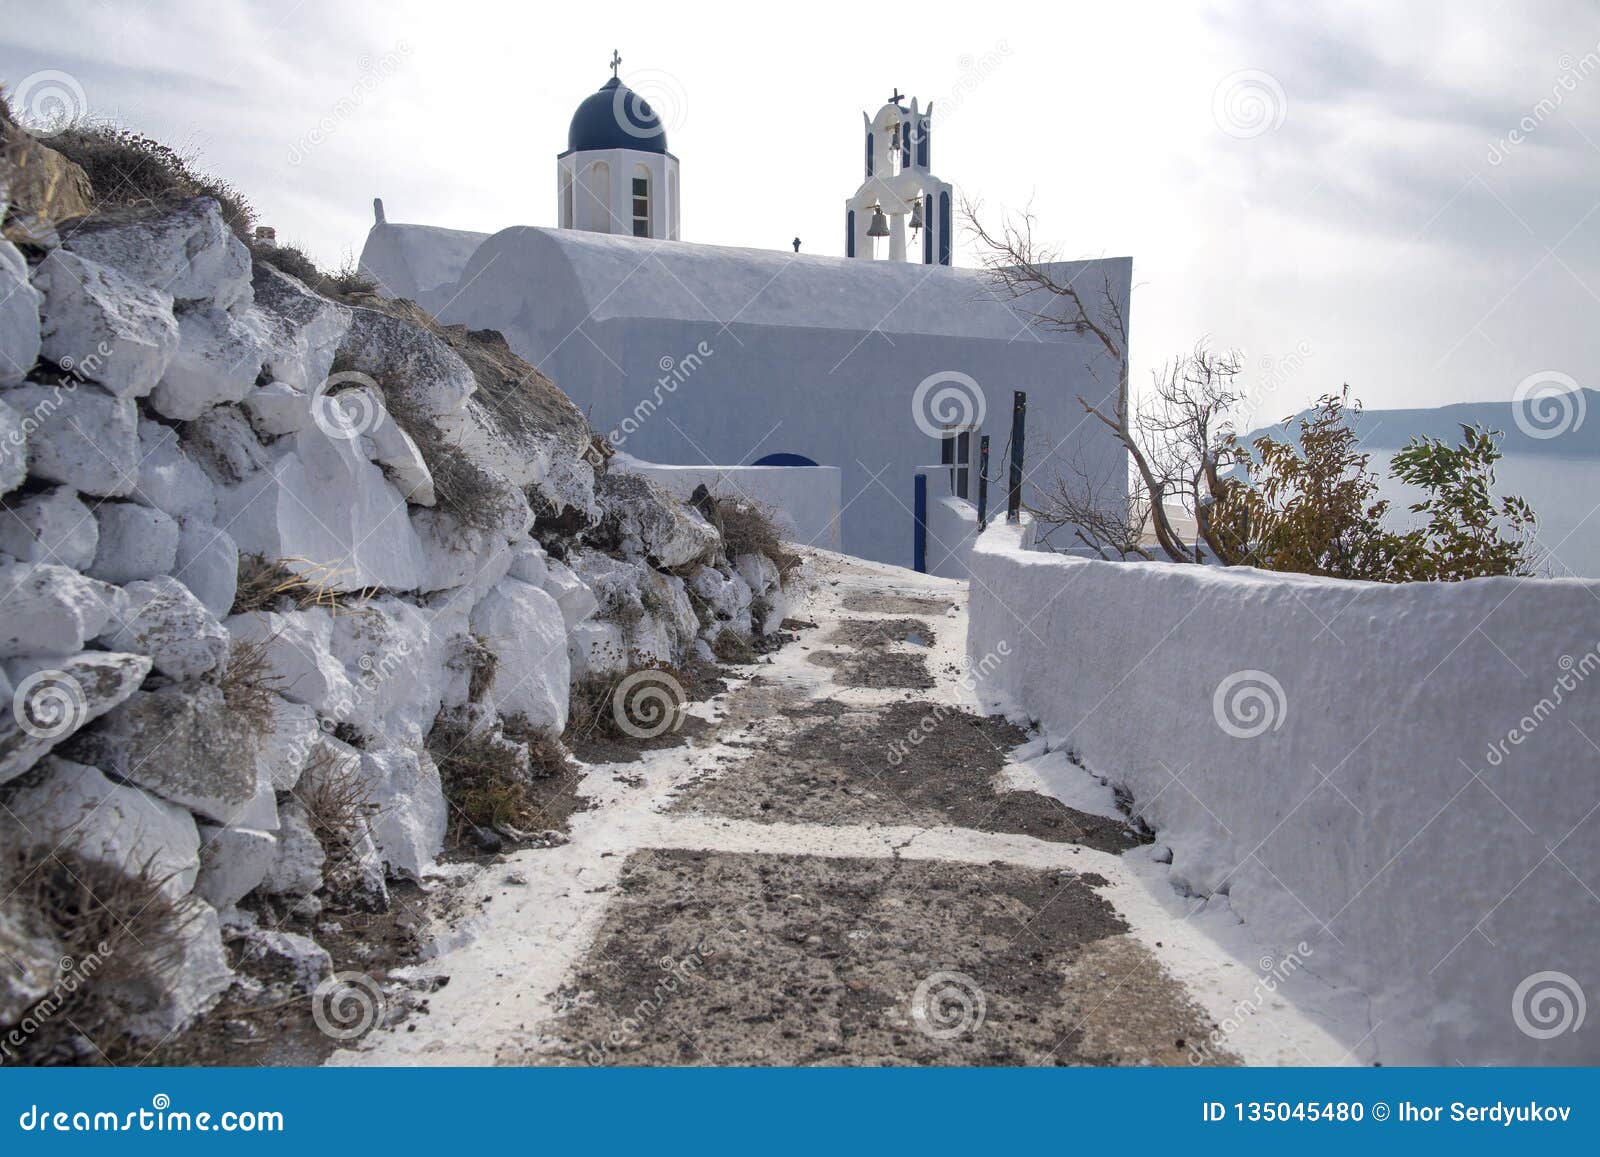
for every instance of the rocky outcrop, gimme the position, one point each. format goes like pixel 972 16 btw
pixel 50 526
pixel 186 251
pixel 19 317
pixel 442 547
pixel 52 698
pixel 639 518
pixel 104 326
pixel 44 187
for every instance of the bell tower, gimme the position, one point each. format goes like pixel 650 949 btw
pixel 899 192
pixel 617 175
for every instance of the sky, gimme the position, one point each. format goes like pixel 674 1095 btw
pixel 1404 198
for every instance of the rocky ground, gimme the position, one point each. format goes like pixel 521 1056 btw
pixel 841 864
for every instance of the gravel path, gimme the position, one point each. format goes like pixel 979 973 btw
pixel 846 865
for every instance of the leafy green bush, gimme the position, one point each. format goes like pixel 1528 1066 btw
pixel 1311 506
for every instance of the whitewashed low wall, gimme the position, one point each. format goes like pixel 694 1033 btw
pixel 952 529
pixel 808 496
pixel 1405 777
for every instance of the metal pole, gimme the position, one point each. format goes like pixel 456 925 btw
pixel 919 550
pixel 983 482
pixel 1019 422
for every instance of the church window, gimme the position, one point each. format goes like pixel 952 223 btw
pixel 641 206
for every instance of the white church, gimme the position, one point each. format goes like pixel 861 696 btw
pixel 694 354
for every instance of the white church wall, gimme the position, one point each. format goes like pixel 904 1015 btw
pixel 715 355
pixel 805 498
pixel 415 260
pixel 1401 776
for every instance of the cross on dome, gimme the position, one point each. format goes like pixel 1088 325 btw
pixel 616 61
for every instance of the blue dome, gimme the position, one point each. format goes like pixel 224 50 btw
pixel 616 117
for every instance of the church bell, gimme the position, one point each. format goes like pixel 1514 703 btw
pixel 880 223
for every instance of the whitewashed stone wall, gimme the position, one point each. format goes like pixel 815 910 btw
pixel 168 406
pixel 1401 776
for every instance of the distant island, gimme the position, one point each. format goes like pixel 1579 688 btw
pixel 1563 426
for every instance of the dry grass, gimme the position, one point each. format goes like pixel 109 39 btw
pixel 591 705
pixel 120 932
pixel 249 685
pixel 476 498
pixel 347 281
pixel 482 664
pixel 265 584
pixel 732 647
pixel 747 528
pixel 344 284
pixel 336 802
pixel 488 771
pixel 128 169
pixel 547 755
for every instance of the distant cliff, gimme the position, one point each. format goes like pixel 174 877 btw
pixel 1562 425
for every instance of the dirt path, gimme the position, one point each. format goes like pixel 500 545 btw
pixel 846 866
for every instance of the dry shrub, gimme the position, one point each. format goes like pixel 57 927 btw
pixel 122 933
pixel 591 703
pixel 248 684
pixel 128 169
pixel 475 497
pixel 547 755
pixel 482 664
pixel 732 647
pixel 345 284
pixel 488 771
pixel 747 528
pixel 265 583
pixel 347 281
pixel 589 707
pixel 336 802
pixel 290 259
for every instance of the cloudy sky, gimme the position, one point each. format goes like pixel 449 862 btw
pixel 1404 197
